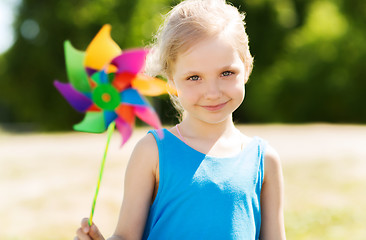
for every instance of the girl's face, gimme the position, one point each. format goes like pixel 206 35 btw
pixel 209 79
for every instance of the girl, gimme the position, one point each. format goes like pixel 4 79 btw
pixel 202 179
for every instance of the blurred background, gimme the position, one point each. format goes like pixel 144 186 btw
pixel 309 68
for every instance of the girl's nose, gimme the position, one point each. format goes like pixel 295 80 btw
pixel 212 89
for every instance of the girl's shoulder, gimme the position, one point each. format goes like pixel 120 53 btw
pixel 147 143
pixel 146 152
pixel 272 163
pixel 271 156
pixel 272 160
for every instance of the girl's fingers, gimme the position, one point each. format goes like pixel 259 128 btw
pixel 91 232
pixel 95 233
pixel 85 225
pixel 81 235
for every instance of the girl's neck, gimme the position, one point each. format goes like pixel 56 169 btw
pixel 194 128
pixel 219 139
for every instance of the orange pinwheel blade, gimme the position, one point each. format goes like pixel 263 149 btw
pixel 150 86
pixel 127 113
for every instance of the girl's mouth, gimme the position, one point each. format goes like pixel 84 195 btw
pixel 214 107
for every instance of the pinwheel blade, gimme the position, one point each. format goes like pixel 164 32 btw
pixel 93 122
pixel 125 130
pixel 123 80
pixel 131 61
pixel 109 117
pixel 75 68
pixel 148 115
pixel 100 78
pixel 131 96
pixel 150 86
pixel 101 50
pixel 126 113
pixel 94 108
pixel 77 100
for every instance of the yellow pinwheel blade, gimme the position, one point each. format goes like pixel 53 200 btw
pixel 101 50
pixel 150 86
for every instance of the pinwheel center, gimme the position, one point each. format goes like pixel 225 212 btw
pixel 106 97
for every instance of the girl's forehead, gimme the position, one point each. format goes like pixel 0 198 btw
pixel 219 48
pixel 215 51
pixel 216 42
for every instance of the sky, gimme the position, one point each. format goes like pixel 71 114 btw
pixel 7 15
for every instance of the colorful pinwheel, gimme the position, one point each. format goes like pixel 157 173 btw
pixel 107 84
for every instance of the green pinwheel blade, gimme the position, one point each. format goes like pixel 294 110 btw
pixel 75 68
pixel 93 122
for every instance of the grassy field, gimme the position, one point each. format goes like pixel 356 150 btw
pixel 47 181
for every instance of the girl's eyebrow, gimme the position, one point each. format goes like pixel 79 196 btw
pixel 190 73
pixel 232 66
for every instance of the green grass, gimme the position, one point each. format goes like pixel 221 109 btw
pixel 325 200
pixel 47 185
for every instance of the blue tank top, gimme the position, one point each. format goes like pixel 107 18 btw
pixel 206 197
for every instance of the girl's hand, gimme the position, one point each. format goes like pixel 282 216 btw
pixel 86 232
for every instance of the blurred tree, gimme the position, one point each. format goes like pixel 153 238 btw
pixel 309 61
pixel 309 57
pixel 37 56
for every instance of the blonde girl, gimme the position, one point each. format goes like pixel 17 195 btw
pixel 203 178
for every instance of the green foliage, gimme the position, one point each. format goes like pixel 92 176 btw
pixel 37 58
pixel 309 57
pixel 308 67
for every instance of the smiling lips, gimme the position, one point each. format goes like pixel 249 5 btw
pixel 214 107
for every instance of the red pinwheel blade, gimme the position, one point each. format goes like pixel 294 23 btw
pixel 126 112
pixel 123 80
pixel 76 99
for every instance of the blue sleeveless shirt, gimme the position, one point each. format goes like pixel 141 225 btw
pixel 206 197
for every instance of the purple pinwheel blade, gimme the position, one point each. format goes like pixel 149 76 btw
pixel 131 61
pixel 125 130
pixel 76 99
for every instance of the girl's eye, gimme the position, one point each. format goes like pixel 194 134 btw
pixel 227 73
pixel 194 78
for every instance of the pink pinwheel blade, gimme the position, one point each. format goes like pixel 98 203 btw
pixel 125 130
pixel 148 115
pixel 76 99
pixel 131 61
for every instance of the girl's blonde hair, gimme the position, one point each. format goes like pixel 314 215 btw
pixel 189 22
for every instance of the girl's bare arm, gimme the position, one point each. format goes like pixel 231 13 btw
pixel 272 199
pixel 139 186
